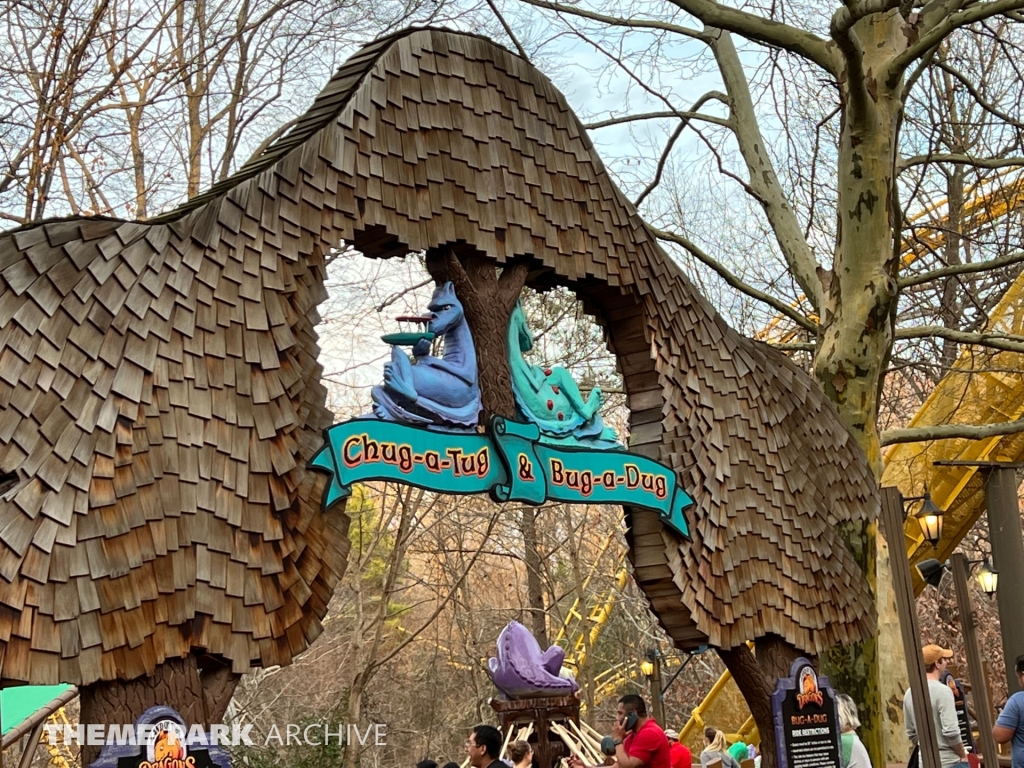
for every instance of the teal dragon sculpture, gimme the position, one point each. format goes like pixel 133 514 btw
pixel 551 399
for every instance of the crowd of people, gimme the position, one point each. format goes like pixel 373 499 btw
pixel 637 741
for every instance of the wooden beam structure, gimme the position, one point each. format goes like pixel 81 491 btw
pixel 892 528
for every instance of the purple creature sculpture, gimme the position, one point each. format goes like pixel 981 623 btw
pixel 434 391
pixel 521 671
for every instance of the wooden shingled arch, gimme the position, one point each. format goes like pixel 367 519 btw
pixel 159 393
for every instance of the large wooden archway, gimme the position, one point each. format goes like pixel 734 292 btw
pixel 159 394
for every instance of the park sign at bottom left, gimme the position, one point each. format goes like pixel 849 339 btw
pixel 161 739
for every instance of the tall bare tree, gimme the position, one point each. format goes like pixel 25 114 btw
pixel 124 108
pixel 839 124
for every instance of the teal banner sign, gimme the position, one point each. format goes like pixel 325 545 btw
pixel 509 463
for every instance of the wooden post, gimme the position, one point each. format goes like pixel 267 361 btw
pixel 979 684
pixel 1008 559
pixel 658 701
pixel 892 527
pixel 33 744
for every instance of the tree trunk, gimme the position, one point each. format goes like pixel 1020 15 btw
pixel 756 676
pixel 487 300
pixel 198 698
pixel 856 341
pixel 534 583
pixel 350 757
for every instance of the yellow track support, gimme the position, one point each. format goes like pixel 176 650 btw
pixel 983 387
pixel 722 708
pixel 61 755
pixel 573 612
pixel 598 618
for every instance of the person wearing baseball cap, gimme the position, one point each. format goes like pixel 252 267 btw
pixel 951 749
pixel 678 753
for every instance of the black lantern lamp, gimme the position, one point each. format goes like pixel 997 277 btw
pixel 988 578
pixel 929 517
pixel 932 570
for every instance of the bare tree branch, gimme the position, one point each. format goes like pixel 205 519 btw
pixel 844 18
pixel 699 254
pixel 951 432
pixel 962 159
pixel 615 21
pixel 962 269
pixel 767 31
pixel 661 163
pixel 794 346
pixel 662 115
pixel 1002 341
pixel 508 29
pixel 668 147
pixel 977 96
pixel 841 29
pixel 763 179
pixel 942 27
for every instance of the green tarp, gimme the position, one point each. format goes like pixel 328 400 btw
pixel 17 704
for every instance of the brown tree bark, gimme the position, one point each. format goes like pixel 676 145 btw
pixel 178 683
pixel 488 300
pixel 756 677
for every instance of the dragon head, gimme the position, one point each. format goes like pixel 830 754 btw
pixel 445 309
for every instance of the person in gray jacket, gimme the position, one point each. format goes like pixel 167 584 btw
pixel 952 753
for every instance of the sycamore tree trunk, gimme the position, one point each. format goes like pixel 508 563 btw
pixel 856 302
pixel 855 342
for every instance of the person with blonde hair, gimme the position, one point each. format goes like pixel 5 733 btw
pixel 853 753
pixel 521 754
pixel 716 748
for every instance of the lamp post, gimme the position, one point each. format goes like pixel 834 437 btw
pixel 651 667
pixel 978 682
pixel 1007 552
pixel 893 515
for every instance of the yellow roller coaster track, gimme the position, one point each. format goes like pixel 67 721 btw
pixel 983 387
pixel 989 202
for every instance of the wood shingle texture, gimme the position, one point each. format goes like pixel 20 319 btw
pixel 160 396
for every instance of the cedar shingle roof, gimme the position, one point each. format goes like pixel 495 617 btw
pixel 160 395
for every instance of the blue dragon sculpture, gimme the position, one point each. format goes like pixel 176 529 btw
pixel 521 670
pixel 434 391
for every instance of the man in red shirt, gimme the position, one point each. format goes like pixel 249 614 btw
pixel 639 741
pixel 679 753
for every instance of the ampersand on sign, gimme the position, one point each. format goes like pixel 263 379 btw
pixel 525 468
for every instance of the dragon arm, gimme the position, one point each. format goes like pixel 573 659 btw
pixel 443 365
